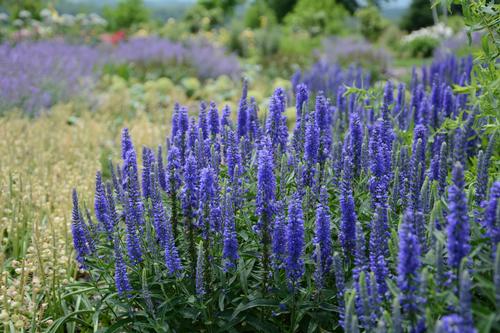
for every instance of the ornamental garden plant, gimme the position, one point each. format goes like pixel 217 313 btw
pixel 376 211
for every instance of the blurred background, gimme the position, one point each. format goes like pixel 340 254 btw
pixel 127 43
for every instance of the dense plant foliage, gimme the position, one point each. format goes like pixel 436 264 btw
pixel 317 17
pixel 379 212
pixel 126 14
pixel 422 42
pixel 371 23
pixel 345 61
pixel 482 17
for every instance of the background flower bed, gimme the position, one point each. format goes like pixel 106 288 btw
pixel 37 75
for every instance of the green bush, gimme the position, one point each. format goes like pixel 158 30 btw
pixel 456 22
pixel 226 6
pixel 372 24
pixel 421 47
pixel 15 7
pixel 126 14
pixel 317 17
pixel 391 37
pixel 419 15
pixel 267 41
pixel 294 52
pixel 280 7
pixel 259 15
pixel 235 43
pixel 200 18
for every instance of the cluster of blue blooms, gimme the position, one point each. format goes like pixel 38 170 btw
pixel 359 198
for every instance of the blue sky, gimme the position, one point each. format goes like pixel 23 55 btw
pixel 397 4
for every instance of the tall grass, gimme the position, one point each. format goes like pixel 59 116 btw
pixel 39 157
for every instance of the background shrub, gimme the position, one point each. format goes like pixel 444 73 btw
pixel 127 13
pixel 317 17
pixel 371 23
pixel 421 47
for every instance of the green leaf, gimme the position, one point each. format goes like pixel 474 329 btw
pixel 486 324
pixel 261 326
pixel 252 304
pixel 71 317
pixel 313 326
pixel 222 296
pixel 245 272
pixel 119 324
pixel 486 45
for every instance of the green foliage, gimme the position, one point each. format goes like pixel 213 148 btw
pixel 391 37
pixel 421 47
pixel 200 18
pixel 268 41
pixel 262 43
pixel 419 15
pixel 227 6
pixel 15 6
pixel 294 52
pixel 234 43
pixel 317 17
pixel 151 70
pixel 209 14
pixel 371 22
pixel 353 5
pixel 126 14
pixel 281 8
pixel 237 300
pixel 484 88
pixel 259 15
pixel 456 23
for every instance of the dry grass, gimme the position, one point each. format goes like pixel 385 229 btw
pixel 41 161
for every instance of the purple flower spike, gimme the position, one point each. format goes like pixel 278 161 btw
pixel 408 268
pixel 80 241
pixel 121 278
pixel 230 246
pixel 295 241
pixel 458 220
pixel 323 239
pixel 101 207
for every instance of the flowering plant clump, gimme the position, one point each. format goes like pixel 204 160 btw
pixel 347 50
pixel 375 215
pixel 207 60
pixel 423 42
pixel 34 75
pixel 50 24
pixel 439 32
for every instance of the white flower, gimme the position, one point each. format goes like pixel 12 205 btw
pixel 67 19
pixel 24 14
pixel 95 19
pixel 4 17
pixel 45 13
pixel 17 23
pixel 438 31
